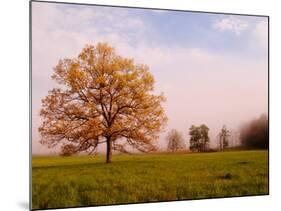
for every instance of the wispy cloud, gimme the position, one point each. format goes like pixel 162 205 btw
pixel 232 24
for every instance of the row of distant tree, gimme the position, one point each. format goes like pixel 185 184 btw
pixel 253 135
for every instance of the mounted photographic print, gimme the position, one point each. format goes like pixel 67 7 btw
pixel 136 105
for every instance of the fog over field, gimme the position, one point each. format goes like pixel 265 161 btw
pixel 212 68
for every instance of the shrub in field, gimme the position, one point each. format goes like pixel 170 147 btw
pixel 67 150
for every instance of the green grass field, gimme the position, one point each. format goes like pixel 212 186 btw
pixel 87 180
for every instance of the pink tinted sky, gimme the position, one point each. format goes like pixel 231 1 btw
pixel 212 68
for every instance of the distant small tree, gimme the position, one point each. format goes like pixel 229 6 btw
pixel 175 140
pixel 195 136
pixel 224 138
pixel 199 138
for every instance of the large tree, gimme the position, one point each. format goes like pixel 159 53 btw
pixel 102 98
pixel 199 138
pixel 175 140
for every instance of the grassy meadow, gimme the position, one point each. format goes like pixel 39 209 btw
pixel 87 180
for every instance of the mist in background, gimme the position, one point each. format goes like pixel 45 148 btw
pixel 212 68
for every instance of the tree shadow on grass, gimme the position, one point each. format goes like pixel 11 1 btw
pixel 98 164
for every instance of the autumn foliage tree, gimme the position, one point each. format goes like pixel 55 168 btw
pixel 101 98
pixel 175 140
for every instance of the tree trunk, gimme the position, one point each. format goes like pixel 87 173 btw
pixel 108 150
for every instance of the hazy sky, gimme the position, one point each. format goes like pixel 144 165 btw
pixel 212 68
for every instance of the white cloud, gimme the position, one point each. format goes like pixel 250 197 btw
pixel 261 33
pixel 159 11
pixel 231 23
